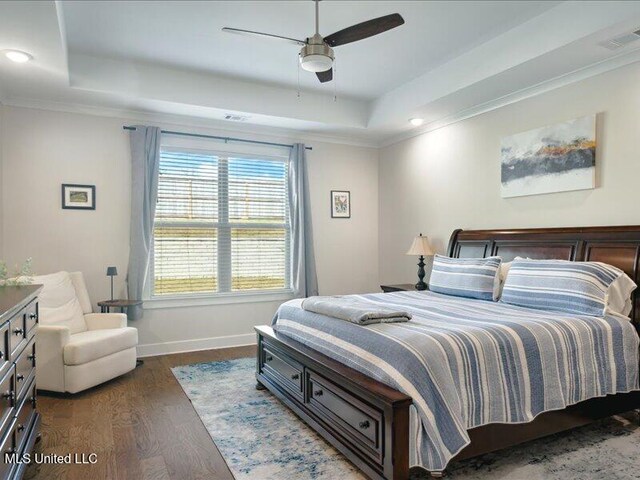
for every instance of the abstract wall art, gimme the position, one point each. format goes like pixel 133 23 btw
pixel 555 158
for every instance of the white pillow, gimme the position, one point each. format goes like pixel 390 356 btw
pixel 504 270
pixel 58 303
pixel 502 275
pixel 619 295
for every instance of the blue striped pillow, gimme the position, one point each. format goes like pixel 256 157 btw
pixel 466 277
pixel 574 287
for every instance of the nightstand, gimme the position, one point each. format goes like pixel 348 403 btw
pixel 106 305
pixel 398 287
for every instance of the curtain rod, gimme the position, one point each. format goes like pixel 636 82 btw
pixel 226 139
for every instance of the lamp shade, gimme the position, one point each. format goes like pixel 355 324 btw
pixel 420 246
pixel 112 271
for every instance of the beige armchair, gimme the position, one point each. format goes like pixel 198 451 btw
pixel 78 349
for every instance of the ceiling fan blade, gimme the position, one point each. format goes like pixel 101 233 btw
pixel 326 76
pixel 364 30
pixel 239 31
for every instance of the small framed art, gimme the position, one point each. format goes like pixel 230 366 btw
pixel 78 197
pixel 340 204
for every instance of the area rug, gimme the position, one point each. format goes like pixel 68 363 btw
pixel 261 439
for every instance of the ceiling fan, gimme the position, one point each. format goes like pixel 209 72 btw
pixel 317 52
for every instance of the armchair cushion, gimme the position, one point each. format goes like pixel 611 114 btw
pixel 59 304
pixel 81 291
pixel 101 321
pixel 50 343
pixel 94 344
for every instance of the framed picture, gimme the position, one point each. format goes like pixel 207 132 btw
pixel 78 197
pixel 555 158
pixel 340 204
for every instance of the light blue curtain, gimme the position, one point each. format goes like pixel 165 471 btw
pixel 304 279
pixel 145 161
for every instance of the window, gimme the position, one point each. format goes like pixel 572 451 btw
pixel 221 225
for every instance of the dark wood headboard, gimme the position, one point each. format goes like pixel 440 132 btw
pixel 617 246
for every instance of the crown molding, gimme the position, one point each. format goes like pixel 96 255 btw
pixel 575 76
pixel 130 115
pixel 285 134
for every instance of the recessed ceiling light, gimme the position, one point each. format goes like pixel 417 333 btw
pixel 17 56
pixel 416 122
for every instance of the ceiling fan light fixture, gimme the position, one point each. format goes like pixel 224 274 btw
pixel 316 63
pixel 317 53
pixel 316 57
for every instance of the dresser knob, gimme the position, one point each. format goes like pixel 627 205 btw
pixel 19 377
pixel 269 358
pixel 20 428
pixel 295 376
pixel 318 393
pixel 33 316
pixel 364 425
pixel 18 331
pixel 9 396
pixel 30 357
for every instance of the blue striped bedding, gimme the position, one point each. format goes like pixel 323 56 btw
pixel 468 363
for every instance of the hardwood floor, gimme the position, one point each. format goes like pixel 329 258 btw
pixel 141 426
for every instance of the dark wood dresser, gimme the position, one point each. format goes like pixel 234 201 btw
pixel 19 419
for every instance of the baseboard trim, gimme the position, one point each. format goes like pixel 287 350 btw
pixel 196 344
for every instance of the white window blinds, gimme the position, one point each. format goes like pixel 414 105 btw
pixel 221 224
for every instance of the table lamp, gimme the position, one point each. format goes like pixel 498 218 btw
pixel 112 272
pixel 420 247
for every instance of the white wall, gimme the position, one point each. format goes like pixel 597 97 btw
pixel 450 178
pixel 43 149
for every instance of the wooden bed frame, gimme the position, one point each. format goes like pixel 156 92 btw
pixel 369 422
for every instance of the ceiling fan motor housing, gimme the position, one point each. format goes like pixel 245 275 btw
pixel 316 56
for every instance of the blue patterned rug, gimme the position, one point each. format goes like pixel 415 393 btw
pixel 261 439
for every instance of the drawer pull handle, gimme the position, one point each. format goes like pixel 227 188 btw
pixel 9 395
pixel 19 377
pixel 318 393
pixel 269 358
pixel 295 376
pixel 364 425
pixel 30 357
pixel 33 316
pixel 20 428
pixel 18 331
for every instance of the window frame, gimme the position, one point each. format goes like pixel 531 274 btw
pixel 223 152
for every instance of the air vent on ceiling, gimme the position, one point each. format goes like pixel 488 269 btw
pixel 621 41
pixel 236 118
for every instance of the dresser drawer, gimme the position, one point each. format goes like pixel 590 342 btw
pixel 7 399
pixel 347 414
pixel 26 415
pixel 7 447
pixel 31 318
pixel 25 368
pixel 17 333
pixel 5 358
pixel 287 372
